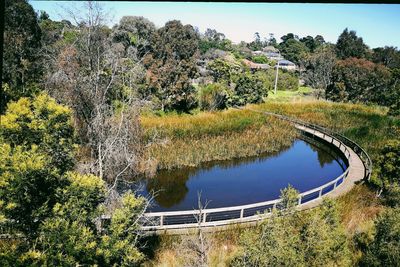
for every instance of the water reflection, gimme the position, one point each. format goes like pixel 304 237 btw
pixel 305 165
pixel 169 186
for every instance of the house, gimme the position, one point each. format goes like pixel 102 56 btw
pixel 255 66
pixel 272 53
pixel 257 53
pixel 286 64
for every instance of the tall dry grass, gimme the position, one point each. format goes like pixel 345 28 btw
pixel 183 140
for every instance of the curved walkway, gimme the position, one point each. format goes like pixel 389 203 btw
pixel 359 167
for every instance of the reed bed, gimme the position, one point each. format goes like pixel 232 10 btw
pixel 367 125
pixel 187 151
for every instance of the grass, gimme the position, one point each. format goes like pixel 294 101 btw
pixel 287 95
pixel 189 140
pixel 193 138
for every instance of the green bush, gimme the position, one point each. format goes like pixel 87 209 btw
pixel 260 59
pixel 213 96
pixel 248 89
pixel 385 248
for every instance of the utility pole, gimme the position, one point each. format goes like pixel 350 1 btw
pixel 276 76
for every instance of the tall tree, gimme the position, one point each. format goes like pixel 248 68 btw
pixel 293 49
pixel 350 45
pixel 22 67
pixel 172 65
pixel 389 56
pixel 135 33
pixel 93 76
pixel 360 80
pixel 319 67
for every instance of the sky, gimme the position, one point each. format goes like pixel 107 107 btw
pixel 377 24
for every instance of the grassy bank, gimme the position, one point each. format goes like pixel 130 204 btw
pixel 188 140
pixel 367 125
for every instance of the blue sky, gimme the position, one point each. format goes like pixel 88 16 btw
pixel 378 24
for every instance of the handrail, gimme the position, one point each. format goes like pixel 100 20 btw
pixel 356 147
pixel 205 216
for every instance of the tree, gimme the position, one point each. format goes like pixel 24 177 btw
pixel 389 56
pixel 51 215
pixel 172 64
pixel 293 49
pixel 309 42
pixel 135 33
pixel 223 71
pixel 22 69
pixel 213 39
pixel 359 80
pixel 319 68
pixel 93 76
pixel 256 44
pixel 350 45
pixel 385 247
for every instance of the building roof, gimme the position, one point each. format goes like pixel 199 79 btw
pixel 270 48
pixel 254 65
pixel 285 62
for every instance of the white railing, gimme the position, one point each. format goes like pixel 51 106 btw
pixel 250 212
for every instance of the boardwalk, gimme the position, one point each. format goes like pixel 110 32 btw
pixel 222 218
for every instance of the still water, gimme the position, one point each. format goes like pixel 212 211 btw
pixel 305 165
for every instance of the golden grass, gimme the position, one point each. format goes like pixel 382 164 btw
pixel 185 140
pixel 358 207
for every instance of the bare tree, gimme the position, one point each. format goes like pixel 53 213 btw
pixel 197 246
pixel 95 77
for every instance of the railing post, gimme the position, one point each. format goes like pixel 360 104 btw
pixel 320 193
pixel 299 202
pixel 204 217
pixel 161 220
pixel 241 213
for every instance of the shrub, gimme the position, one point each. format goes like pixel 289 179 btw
pixel 213 96
pixel 260 59
pixel 248 89
pixel 385 248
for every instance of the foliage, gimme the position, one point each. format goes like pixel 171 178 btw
pixel 350 45
pixel 54 210
pixel 292 49
pixel 134 33
pixel 172 64
pixel 319 67
pixel 359 80
pixel 260 59
pixel 312 239
pixel 388 164
pixel 213 96
pixel 44 123
pixel 22 67
pixel 213 39
pixel 385 247
pixel 389 56
pixel 223 71
pixel 289 196
pixel 28 185
pixel 313 43
pixel 248 89
pixel 287 81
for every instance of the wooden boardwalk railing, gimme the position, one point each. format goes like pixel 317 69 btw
pixel 359 167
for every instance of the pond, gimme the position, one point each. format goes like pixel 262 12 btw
pixel 305 165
